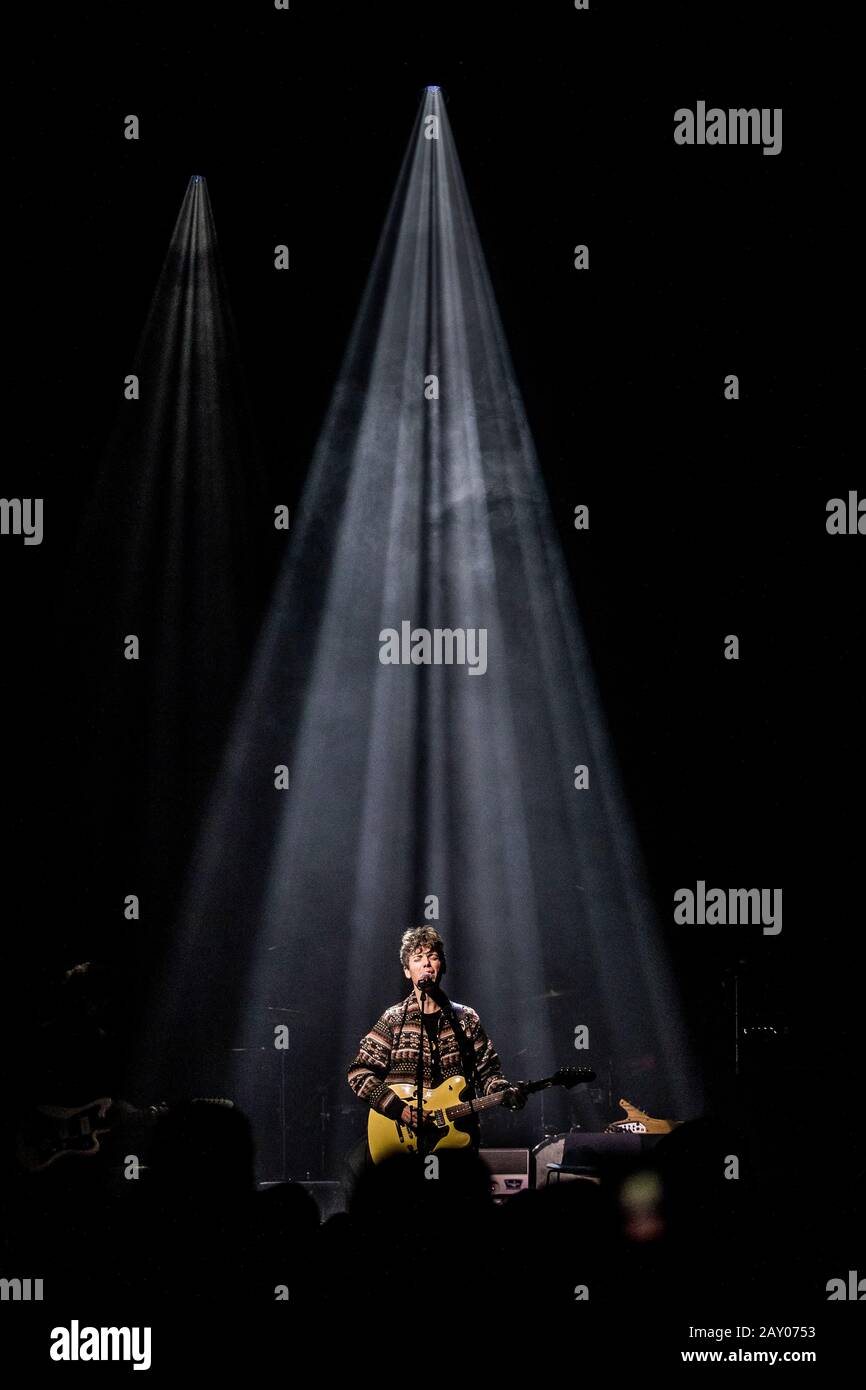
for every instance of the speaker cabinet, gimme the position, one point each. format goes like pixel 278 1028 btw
pixel 509 1171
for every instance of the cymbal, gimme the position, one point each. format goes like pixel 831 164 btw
pixel 265 1006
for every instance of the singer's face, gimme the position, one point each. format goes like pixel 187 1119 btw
pixel 424 961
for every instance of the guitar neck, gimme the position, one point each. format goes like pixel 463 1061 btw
pixel 472 1107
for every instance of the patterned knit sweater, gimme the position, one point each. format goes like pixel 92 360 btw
pixel 388 1054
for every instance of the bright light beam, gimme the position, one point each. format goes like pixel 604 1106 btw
pixel 425 504
pixel 178 488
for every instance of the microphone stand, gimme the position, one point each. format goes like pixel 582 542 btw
pixel 419 1077
pixel 439 997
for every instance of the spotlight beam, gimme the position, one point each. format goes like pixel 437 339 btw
pixel 419 786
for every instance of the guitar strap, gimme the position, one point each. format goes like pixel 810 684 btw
pixel 467 1051
pixel 470 1070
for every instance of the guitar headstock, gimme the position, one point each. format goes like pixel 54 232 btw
pixel 572 1076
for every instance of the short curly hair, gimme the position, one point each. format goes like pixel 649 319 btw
pixel 421 936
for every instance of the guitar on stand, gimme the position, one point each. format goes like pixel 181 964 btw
pixel 51 1132
pixel 638 1122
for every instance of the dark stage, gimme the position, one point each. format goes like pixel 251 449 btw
pixel 338 328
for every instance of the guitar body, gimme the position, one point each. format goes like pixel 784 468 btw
pixel 386 1138
pixel 50 1132
pixel 54 1130
pixel 638 1122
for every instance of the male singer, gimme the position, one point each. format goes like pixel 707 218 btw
pixel 451 1037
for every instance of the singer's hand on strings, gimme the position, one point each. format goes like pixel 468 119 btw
pixel 409 1117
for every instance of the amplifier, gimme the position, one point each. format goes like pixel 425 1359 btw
pixel 585 1154
pixel 509 1171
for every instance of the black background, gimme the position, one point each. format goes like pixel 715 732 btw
pixel 707 516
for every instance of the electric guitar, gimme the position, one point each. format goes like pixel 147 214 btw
pixel 638 1122
pixel 49 1132
pixel 444 1109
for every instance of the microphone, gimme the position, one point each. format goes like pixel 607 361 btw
pixel 427 984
